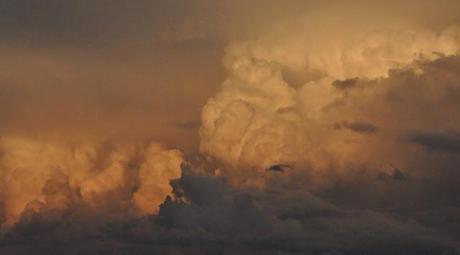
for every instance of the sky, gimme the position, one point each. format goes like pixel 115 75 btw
pixel 229 127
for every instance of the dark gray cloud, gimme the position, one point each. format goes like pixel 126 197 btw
pixel 346 84
pixel 436 142
pixel 397 174
pixel 208 216
pixel 104 24
pixel 83 23
pixel 358 127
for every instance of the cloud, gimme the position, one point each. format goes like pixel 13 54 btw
pixel 89 25
pixel 258 119
pixel 392 92
pixel 254 113
pixel 359 127
pixel 345 84
pixel 311 145
pixel 206 215
pixel 396 175
pixel 437 142
pixel 105 177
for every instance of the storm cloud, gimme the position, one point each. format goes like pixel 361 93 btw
pixel 437 141
pixel 229 127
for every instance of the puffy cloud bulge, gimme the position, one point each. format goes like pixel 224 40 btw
pixel 294 96
pixel 107 177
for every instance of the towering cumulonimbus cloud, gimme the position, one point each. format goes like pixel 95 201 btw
pixel 132 178
pixel 335 131
pixel 289 99
pixel 254 114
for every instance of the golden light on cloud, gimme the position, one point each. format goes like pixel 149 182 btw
pixel 229 127
pixel 100 173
